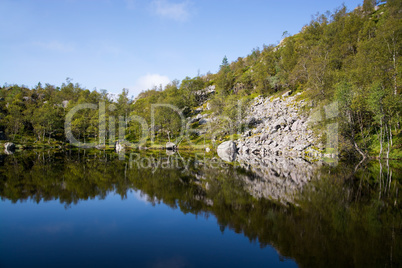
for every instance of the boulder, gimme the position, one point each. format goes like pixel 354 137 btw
pixel 281 122
pixel 193 120
pixel 170 152
pixel 286 94
pixel 252 122
pixel 264 136
pixel 203 121
pixel 272 130
pixel 118 146
pixel 171 146
pixel 227 151
pixel 296 125
pixel 273 144
pixel 64 103
pixel 9 147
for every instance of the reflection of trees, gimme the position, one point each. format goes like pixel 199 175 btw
pixel 43 176
pixel 339 221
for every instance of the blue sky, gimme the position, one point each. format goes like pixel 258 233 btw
pixel 134 44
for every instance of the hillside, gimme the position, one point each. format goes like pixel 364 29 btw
pixel 349 60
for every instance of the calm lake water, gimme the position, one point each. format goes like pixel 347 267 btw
pixel 98 209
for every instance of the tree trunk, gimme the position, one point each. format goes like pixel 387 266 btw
pixel 379 197
pixel 395 72
pixel 361 129
pixel 380 138
pixel 353 138
pixel 386 129
pixel 359 150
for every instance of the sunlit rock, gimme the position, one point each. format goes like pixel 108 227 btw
pixel 227 151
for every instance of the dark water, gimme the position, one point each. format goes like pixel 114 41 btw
pixel 92 209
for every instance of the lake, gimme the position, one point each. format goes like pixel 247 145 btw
pixel 89 208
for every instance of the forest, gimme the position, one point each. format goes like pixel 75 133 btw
pixel 349 57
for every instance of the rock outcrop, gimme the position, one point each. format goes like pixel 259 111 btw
pixel 277 128
pixel 203 94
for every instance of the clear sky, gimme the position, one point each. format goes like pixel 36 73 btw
pixel 134 44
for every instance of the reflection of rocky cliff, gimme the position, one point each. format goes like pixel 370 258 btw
pixel 274 177
pixel 277 178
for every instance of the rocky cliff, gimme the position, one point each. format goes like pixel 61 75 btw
pixel 279 129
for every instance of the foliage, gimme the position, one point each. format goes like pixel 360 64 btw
pixel 353 58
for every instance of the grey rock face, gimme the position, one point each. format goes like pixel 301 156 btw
pixel 276 125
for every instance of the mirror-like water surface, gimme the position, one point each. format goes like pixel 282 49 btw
pixel 88 208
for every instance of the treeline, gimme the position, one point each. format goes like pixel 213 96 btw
pixel 38 114
pixel 351 58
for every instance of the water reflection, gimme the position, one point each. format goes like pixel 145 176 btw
pixel 313 213
pixel 276 177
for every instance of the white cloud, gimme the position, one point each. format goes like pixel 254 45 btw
pixel 148 82
pixel 143 197
pixel 175 11
pixel 55 46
